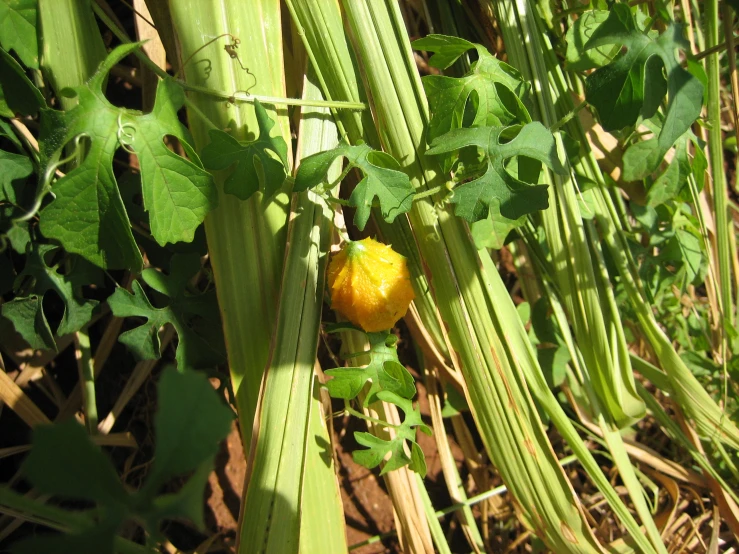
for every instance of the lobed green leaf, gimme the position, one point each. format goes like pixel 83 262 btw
pixel 382 180
pixel 515 197
pixel 633 85
pixel 255 168
pixel 18 29
pixel 194 316
pixel 88 215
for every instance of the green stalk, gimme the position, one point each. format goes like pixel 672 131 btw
pixel 71 45
pixel 246 240
pixel 85 369
pixel 719 190
pixel 500 402
pixel 586 294
pixel 322 520
pixel 278 451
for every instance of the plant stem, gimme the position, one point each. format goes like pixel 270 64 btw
pixel 87 379
pixel 351 411
pixel 716 160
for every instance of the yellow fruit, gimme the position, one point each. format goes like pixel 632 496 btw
pixel 370 284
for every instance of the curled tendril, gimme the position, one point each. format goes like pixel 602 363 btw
pixel 125 139
pixel 208 67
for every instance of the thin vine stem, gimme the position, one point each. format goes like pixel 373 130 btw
pixel 351 411
pixel 235 97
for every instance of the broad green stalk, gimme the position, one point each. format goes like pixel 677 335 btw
pixel 719 190
pixel 71 45
pixel 246 240
pixel 322 518
pixel 516 338
pixel 278 459
pixel 505 413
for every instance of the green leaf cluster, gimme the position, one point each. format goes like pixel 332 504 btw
pixel 63 277
pixel 88 216
pixel 385 379
pixel 383 180
pixel 490 94
pixel 195 316
pixel 634 84
pixel 259 165
pixel 187 440
pixel 514 197
pixel 481 130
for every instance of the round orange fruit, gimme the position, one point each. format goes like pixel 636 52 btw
pixel 370 284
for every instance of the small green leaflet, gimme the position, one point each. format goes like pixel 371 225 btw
pixel 492 231
pixel 255 168
pixel 14 171
pixel 672 183
pixel 633 85
pixel 489 95
pixel 516 198
pixel 389 382
pixel 382 180
pixel 385 372
pixel 19 93
pixel 578 57
pixel 88 216
pixel 684 249
pixel 187 439
pixel 377 448
pixel 195 317
pixel 27 313
pixel 18 29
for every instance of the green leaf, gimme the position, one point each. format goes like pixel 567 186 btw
pixel 491 91
pixel 633 85
pixel 384 371
pixel 447 49
pixel 685 249
pixel 454 403
pixel 544 325
pixel 187 503
pixel 553 361
pixel 190 422
pixel 18 29
pixel 515 197
pixel 19 93
pixel 672 183
pixel 88 216
pixel 43 278
pixel 580 58
pixel 29 321
pixel 382 180
pixel 378 449
pixel 255 168
pixel 194 316
pixel 63 461
pixel 13 167
pixel 14 170
pixel 492 231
